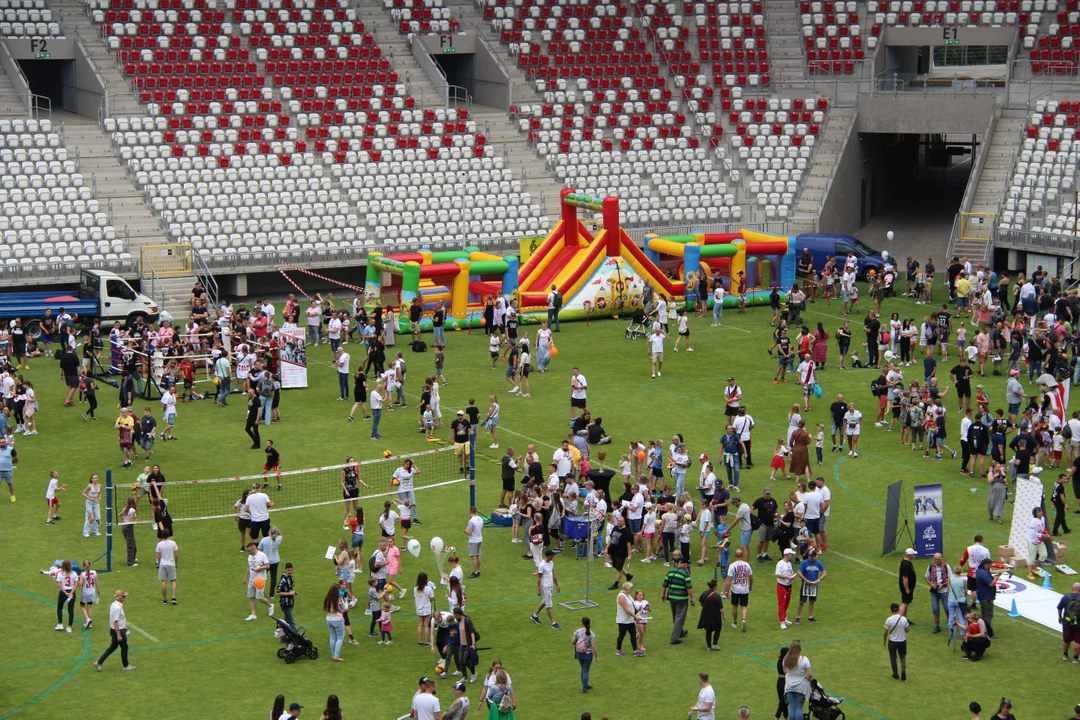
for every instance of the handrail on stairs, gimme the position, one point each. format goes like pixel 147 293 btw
pixel 202 272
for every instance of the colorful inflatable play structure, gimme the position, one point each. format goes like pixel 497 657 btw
pixel 597 275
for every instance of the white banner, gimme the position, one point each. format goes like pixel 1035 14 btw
pixel 1033 602
pixel 293 357
pixel 1029 492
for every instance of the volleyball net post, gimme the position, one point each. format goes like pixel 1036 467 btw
pixel 108 524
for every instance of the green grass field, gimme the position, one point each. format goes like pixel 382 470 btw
pixel 204 659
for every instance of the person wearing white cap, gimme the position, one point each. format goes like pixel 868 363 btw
pixel 785 574
pixel 908 581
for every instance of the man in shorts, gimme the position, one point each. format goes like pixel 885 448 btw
pixel 273 462
pixel 168 558
pixel 475 530
pixel 732 398
pixel 8 459
pixel 545 581
pixel 258 564
pixel 125 427
pixel 460 429
pixel 739 582
pixel 578 391
pixel 656 350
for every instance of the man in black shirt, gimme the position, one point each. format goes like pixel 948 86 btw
pixel 783 357
pixel 961 375
pixel 273 462
pixel 286 592
pixel 473 413
pixel 251 425
pixel 765 507
pixel 944 324
pixel 438 321
pixel 1060 502
pixel 509 468
pixel 872 327
pixel 127 389
pixel 416 311
pixel 907 582
pixel 1022 460
pixel 461 428
pixel 912 271
pixel 954 270
pixel 595 433
pixel 837 411
pixel 69 373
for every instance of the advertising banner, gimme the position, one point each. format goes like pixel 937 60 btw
pixel 293 358
pixel 928 520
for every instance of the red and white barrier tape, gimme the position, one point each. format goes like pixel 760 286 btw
pixel 321 277
pixel 293 283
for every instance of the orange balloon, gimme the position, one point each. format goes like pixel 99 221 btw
pixel 259 583
pixel 483 322
pixel 554 351
pixel 641 455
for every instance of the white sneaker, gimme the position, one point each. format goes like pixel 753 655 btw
pixel 850 453
pixel 608 565
pixel 68 629
pixel 511 391
pixel 783 626
pixel 659 374
pixel 270 610
pixel 645 560
pixel 250 618
pixel 493 445
pixel 854 454
pixel 401 594
pixel 58 628
pixel 689 349
pixel 654 375
pixel 86 534
pixel 676 349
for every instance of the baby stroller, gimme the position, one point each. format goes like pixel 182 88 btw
pixel 296 645
pixel 637 327
pixel 822 705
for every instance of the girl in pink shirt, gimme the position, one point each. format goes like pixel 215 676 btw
pixel 393 569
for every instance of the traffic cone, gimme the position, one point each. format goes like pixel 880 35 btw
pixel 1046 580
pixel 1012 611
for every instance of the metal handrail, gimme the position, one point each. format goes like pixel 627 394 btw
pixel 202 272
pixel 156 291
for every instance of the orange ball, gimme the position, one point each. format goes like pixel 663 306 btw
pixel 554 351
pixel 641 455
pixel 483 322
pixel 259 583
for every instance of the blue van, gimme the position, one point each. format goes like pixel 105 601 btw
pixel 820 245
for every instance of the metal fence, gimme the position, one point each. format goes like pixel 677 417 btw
pixel 1049 243
pixel 169 259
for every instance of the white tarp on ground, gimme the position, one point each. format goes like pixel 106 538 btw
pixel 1033 601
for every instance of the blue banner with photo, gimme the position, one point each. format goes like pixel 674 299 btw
pixel 928 520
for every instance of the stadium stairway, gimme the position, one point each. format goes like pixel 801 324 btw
pixel 111 182
pixel 786 55
pixel 521 158
pixel 999 162
pixel 122 100
pixel 387 35
pixel 174 295
pixel 10 104
pixel 826 157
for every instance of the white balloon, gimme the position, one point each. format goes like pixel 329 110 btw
pixel 884 254
pixel 436 545
pixel 890 235
pixel 414 547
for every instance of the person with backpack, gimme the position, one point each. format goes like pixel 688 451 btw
pixel 554 304
pixel 1068 610
pixel 585 651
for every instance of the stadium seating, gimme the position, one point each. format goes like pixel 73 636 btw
pixel 47 214
pixel 832 36
pixel 238 161
pixel 422 17
pixel 27 19
pixel 1045 171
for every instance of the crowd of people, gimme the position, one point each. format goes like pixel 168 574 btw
pixel 1022 327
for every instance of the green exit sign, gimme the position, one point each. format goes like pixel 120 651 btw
pixel 43 56
pixel 449 50
pixel 952 42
